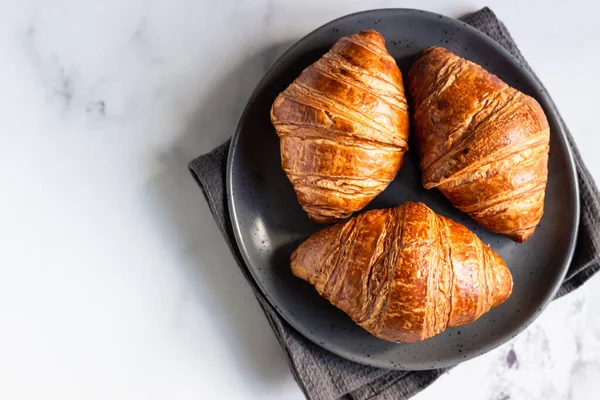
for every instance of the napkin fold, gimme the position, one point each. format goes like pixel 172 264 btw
pixel 324 376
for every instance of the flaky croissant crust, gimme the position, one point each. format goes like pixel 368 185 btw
pixel 343 127
pixel 404 274
pixel 482 143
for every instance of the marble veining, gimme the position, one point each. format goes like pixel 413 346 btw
pixel 62 84
pixel 554 358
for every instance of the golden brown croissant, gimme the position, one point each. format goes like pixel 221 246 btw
pixel 404 274
pixel 343 125
pixel 482 143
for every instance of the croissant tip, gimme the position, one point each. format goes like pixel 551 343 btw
pixel 323 217
pixel 522 235
pixel 372 35
pixel 504 280
pixel 428 50
pixel 322 220
pixel 297 270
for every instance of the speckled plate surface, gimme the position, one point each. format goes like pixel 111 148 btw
pixel 269 223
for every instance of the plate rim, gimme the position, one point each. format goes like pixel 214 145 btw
pixel 236 226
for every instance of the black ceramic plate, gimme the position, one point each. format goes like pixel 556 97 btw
pixel 269 223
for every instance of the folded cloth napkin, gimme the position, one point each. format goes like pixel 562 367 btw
pixel 324 376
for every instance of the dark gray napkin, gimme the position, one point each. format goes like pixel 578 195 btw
pixel 324 376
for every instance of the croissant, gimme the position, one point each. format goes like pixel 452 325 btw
pixel 482 143
pixel 404 274
pixel 343 127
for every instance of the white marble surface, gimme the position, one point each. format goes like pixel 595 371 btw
pixel 114 281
